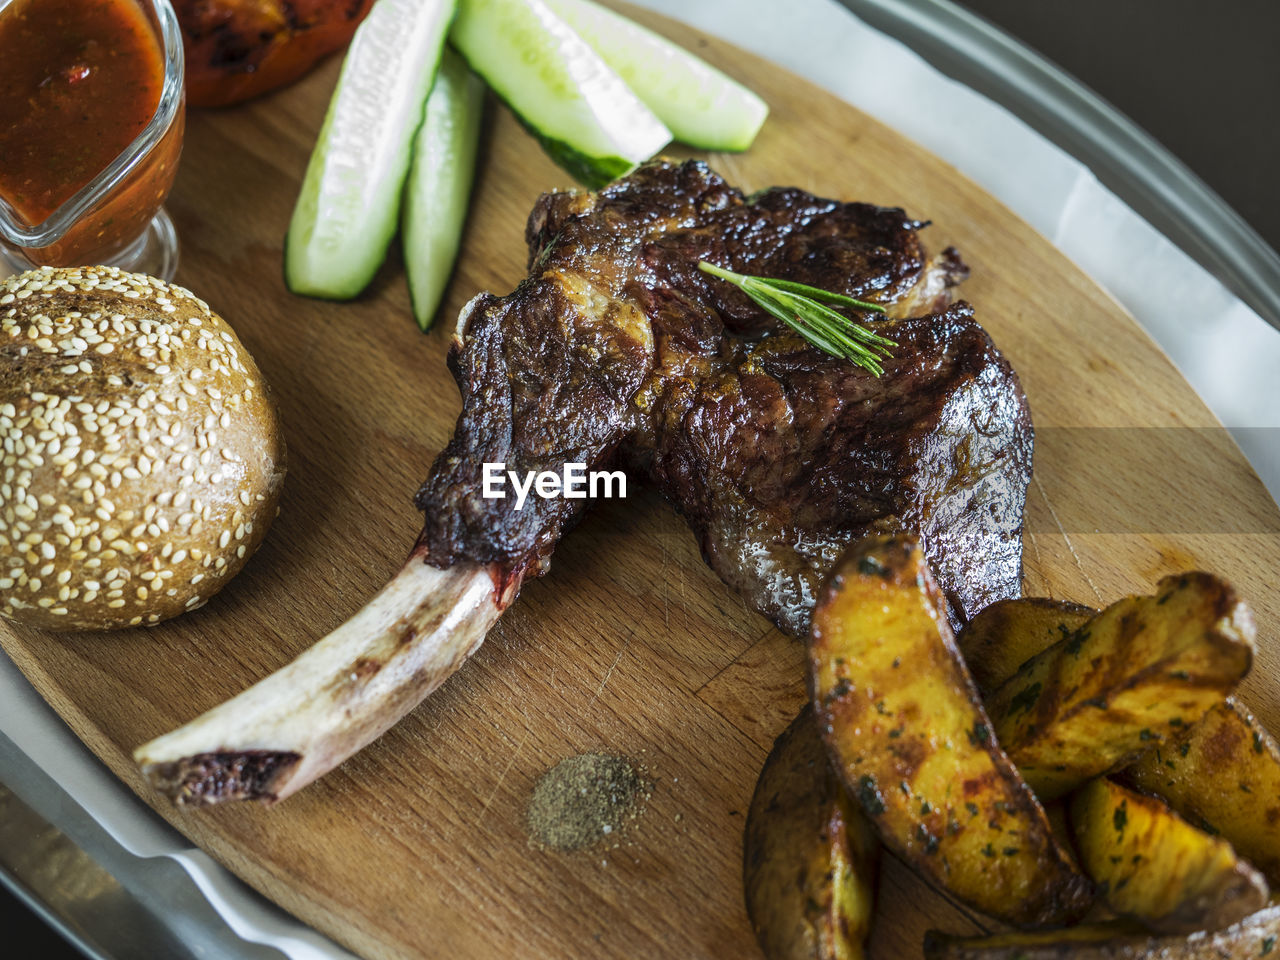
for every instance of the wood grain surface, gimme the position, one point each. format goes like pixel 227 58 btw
pixel 417 847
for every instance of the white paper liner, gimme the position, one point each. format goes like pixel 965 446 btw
pixel 1227 353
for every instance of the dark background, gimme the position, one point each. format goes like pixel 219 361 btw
pixel 27 935
pixel 1202 78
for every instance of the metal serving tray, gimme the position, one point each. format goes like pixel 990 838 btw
pixel 113 905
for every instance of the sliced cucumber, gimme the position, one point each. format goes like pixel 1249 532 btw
pixel 580 110
pixel 702 107
pixel 347 211
pixel 439 185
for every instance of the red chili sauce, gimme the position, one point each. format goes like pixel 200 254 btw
pixel 79 80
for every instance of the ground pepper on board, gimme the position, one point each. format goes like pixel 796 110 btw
pixel 583 800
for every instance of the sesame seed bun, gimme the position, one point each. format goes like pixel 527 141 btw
pixel 141 457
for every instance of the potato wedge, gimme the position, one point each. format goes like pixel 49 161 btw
pixel 1193 774
pixel 1225 776
pixel 907 734
pixel 1254 937
pixel 810 858
pixel 1137 672
pixel 1006 634
pixel 1151 865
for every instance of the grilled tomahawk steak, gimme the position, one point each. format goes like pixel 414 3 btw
pixel 617 350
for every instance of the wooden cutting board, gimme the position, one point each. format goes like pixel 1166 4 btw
pixel 417 847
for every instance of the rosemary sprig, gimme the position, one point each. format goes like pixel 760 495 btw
pixel 805 310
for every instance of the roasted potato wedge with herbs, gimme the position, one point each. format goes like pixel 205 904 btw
pixel 1151 865
pixel 907 734
pixel 1254 937
pixel 1006 634
pixel 810 858
pixel 1224 775
pixel 1137 672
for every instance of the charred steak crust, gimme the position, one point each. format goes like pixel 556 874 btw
pixel 780 466
pixel 617 350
